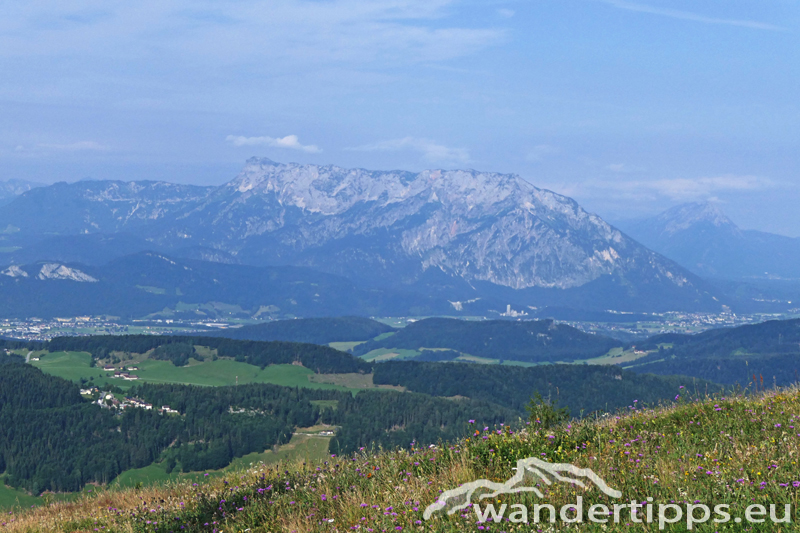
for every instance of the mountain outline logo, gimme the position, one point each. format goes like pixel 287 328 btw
pixel 460 498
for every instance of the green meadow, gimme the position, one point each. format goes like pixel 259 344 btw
pixel 11 498
pixel 75 366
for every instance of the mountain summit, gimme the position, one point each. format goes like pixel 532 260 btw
pixel 458 228
pixel 472 225
pixel 692 216
pixel 702 238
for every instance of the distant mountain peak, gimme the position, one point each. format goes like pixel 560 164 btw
pixel 684 216
pixel 700 237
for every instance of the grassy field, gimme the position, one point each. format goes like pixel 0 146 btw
pixel 615 356
pixel 389 354
pixel 153 474
pixel 75 365
pixel 385 354
pixel 345 346
pixel 303 448
pixel 10 497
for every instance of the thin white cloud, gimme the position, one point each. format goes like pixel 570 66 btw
pixel 624 168
pixel 430 150
pixel 80 146
pixel 506 13
pixel 688 15
pixel 685 188
pixel 282 33
pixel 677 189
pixel 541 151
pixel 290 141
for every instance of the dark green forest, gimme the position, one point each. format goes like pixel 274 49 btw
pixel 534 341
pixel 780 370
pixel 310 330
pixel 390 419
pixel 767 338
pixel 769 351
pixel 52 439
pixel 582 388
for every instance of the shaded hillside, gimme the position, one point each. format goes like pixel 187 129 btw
pixel 148 282
pixel 766 338
pixel 530 340
pixel 769 350
pixel 582 388
pixel 310 330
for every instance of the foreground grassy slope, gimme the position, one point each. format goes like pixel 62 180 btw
pixel 738 450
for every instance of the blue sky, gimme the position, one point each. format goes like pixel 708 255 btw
pixel 629 107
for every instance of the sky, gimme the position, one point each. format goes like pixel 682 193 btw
pixel 629 107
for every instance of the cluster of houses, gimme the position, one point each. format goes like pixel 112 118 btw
pixel 141 404
pixel 122 374
pixel 108 401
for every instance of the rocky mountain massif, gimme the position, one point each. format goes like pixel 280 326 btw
pixel 456 235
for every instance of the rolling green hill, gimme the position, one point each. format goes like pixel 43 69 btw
pixel 530 341
pixel 219 362
pixel 755 354
pixel 310 330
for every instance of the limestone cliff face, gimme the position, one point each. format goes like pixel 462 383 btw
pixel 474 225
